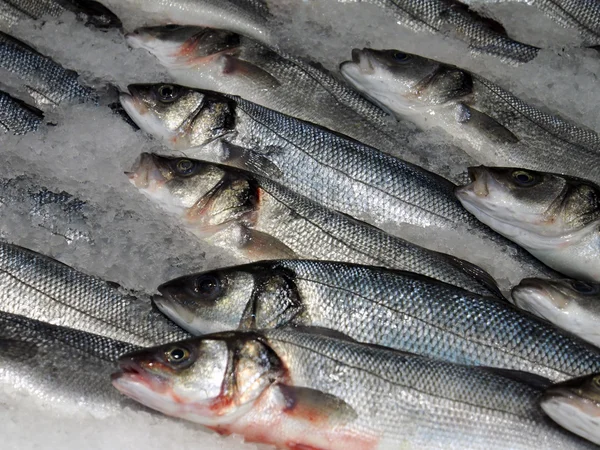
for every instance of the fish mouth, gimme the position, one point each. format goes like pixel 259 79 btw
pixel 145 173
pixel 135 39
pixel 362 59
pixel 172 308
pixel 531 294
pixel 478 186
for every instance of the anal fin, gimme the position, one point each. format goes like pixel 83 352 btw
pixel 469 117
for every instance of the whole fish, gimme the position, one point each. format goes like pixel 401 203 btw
pixel 572 305
pixel 492 125
pixel 14 11
pixel 47 82
pixel 395 309
pixel 58 212
pixel 247 17
pixel 261 219
pixel 219 60
pixel 575 405
pixel 554 217
pixel 296 389
pixel 60 366
pixel 454 18
pixel 17 117
pixel 338 172
pixel 42 288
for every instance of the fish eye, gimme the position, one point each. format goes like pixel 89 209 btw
pixel 596 381
pixel 207 286
pixel 177 355
pixel 185 166
pixel 401 57
pixel 585 288
pixel 172 27
pixel 523 178
pixel 168 93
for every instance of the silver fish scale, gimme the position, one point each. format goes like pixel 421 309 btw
pixel 13 11
pixel 583 15
pixel 315 232
pixel 16 118
pixel 46 81
pixel 415 402
pixel 419 315
pixel 44 289
pixel 452 16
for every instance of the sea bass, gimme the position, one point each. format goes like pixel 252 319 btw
pixel 260 219
pixel 457 20
pixel 492 125
pixel 296 389
pixel 42 288
pixel 17 117
pixel 572 305
pixel 338 172
pixel 48 83
pixel 60 366
pixel 14 11
pixel 226 62
pixel 395 309
pixel 554 217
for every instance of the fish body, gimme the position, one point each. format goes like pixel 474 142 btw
pixel 492 125
pixel 14 11
pixel 225 62
pixel 60 366
pixel 296 389
pixel 47 82
pixel 453 18
pixel 261 219
pixel 554 217
pixel 17 117
pixel 395 309
pixel 575 405
pixel 338 172
pixel 42 288
pixel 571 305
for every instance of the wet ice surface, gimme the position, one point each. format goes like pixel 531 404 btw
pixel 132 242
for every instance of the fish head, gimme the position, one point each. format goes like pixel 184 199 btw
pixel 539 203
pixel 211 380
pixel 177 46
pixel 253 296
pixel 207 196
pixel 181 117
pixel 404 82
pixel 546 298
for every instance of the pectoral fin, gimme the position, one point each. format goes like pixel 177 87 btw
pixel 243 69
pixel 252 161
pixel 469 117
pixel 258 246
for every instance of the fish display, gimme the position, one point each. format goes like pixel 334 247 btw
pixel 298 389
pixel 328 168
pixel 395 309
pixel 47 82
pixel 553 217
pixel 575 404
pixel 262 220
pixel 14 11
pixel 17 117
pixel 222 61
pixel 42 288
pixel 569 304
pixel 492 125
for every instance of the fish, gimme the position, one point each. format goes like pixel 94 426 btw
pixel 294 388
pixel 47 82
pixel 554 217
pixel 492 125
pixel 571 305
pixel 222 61
pixel 41 288
pixel 95 14
pixel 246 17
pixel 453 18
pixel 338 172
pixel 17 117
pixel 60 366
pixel 58 212
pixel 397 309
pixel 260 219
pixel 575 405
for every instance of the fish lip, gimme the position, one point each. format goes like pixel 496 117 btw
pixel 478 185
pixel 356 55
